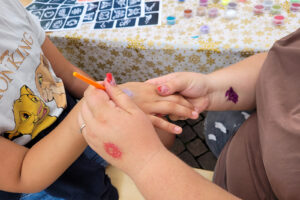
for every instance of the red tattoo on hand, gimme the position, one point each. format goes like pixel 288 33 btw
pixel 112 150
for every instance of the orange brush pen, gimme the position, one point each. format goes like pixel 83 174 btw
pixel 89 81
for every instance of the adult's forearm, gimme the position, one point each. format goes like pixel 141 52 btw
pixel 167 177
pixel 241 77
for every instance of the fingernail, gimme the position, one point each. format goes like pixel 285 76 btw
pixel 110 79
pixel 163 89
pixel 195 114
pixel 178 129
pixel 197 109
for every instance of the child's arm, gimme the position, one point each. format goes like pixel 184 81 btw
pixel 144 95
pixel 25 170
pixel 31 170
pixel 64 69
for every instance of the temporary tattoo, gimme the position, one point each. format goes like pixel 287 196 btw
pixel 231 95
pixel 112 150
pixel 128 92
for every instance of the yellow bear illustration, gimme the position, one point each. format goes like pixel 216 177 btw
pixel 31 115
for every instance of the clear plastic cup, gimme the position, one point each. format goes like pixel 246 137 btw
pixel 276 9
pixel 258 9
pixel 295 7
pixel 213 12
pixel 171 20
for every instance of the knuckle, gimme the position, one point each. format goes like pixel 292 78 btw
pixel 173 117
pixel 171 106
pixel 177 109
pixel 170 127
pixel 158 122
pixel 179 99
pixel 87 92
pixel 166 126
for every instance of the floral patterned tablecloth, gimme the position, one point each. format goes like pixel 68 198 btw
pixel 137 54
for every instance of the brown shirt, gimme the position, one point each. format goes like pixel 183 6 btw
pixel 262 160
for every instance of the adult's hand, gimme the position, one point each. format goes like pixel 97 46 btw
pixel 117 129
pixel 147 99
pixel 123 135
pixel 193 86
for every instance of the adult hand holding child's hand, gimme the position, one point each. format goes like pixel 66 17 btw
pixel 146 98
pixel 193 86
pixel 117 129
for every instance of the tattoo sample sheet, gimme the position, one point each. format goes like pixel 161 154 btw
pixel 56 15
pixel 127 13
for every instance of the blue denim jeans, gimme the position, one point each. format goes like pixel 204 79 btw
pixel 43 195
pixel 85 179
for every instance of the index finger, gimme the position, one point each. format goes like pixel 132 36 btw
pixel 121 99
pixel 97 101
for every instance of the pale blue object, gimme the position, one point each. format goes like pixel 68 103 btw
pixel 171 20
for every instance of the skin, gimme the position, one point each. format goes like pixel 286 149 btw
pixel 112 150
pixel 232 95
pixel 145 96
pixel 144 158
pixel 31 170
pixel 207 92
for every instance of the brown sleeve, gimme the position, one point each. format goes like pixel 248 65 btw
pixel 278 109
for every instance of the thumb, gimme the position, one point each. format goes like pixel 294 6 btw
pixel 172 86
pixel 170 83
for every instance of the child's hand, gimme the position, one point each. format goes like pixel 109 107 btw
pixel 117 129
pixel 146 97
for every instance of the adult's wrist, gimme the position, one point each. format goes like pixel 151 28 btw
pixel 150 166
